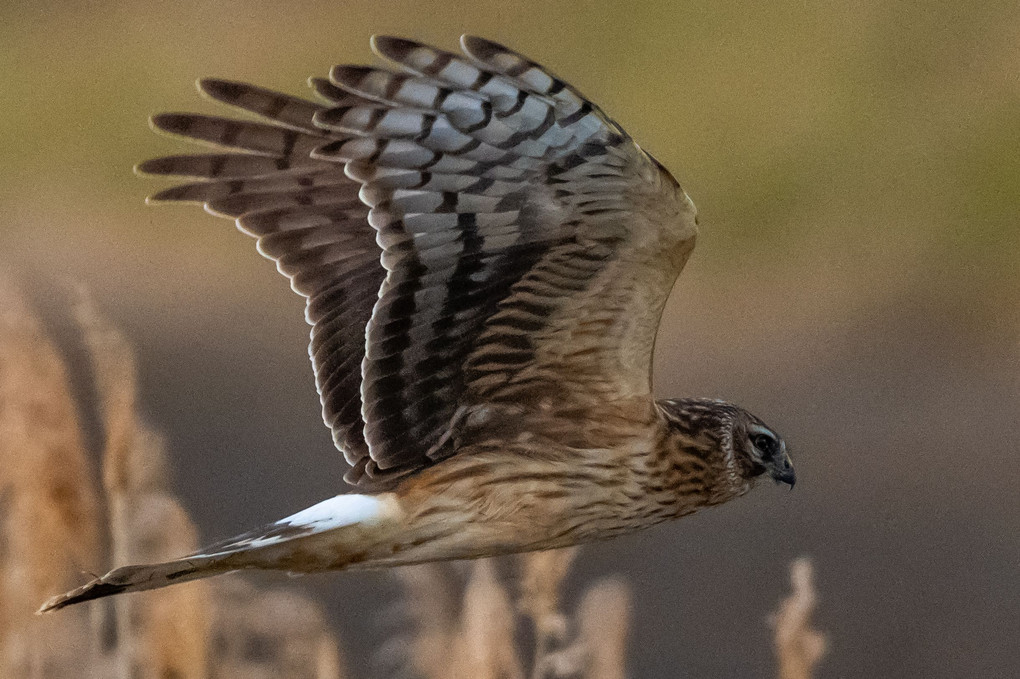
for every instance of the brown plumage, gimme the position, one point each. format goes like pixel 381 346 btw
pixel 485 255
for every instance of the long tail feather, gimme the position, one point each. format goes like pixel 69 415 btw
pixel 288 544
pixel 138 578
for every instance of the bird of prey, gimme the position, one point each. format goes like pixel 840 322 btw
pixel 485 256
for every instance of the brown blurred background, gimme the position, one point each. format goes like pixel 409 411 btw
pixel 857 284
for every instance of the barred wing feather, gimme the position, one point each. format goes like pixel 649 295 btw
pixel 305 214
pixel 474 236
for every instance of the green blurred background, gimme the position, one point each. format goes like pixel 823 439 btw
pixel 857 284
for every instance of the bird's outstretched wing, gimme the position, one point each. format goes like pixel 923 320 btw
pixel 528 245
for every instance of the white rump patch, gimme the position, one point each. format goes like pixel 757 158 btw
pixel 342 510
pixel 334 513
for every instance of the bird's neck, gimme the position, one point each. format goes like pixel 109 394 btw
pixel 692 472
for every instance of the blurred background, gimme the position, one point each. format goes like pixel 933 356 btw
pixel 857 284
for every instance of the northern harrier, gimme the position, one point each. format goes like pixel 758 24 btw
pixel 485 255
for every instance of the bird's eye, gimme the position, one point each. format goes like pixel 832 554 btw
pixel 766 444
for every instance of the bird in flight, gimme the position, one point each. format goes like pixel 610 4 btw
pixel 485 256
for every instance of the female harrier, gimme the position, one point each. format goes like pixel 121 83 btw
pixel 486 255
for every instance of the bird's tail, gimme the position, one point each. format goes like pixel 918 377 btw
pixel 295 543
pixel 138 578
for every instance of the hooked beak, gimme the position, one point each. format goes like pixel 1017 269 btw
pixel 783 472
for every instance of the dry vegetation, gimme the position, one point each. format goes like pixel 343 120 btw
pixel 799 647
pixel 55 524
pixel 465 620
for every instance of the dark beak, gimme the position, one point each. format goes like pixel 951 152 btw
pixel 783 472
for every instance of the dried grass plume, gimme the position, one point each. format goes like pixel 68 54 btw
pixel 799 647
pixel 54 524
pixel 48 501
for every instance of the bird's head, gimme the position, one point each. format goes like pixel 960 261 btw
pixel 759 450
pixel 750 447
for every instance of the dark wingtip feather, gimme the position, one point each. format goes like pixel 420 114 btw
pixel 159 167
pixel 329 151
pixel 391 47
pixel 325 88
pixel 348 75
pixel 143 169
pixel 331 118
pixel 480 48
pixel 184 192
pixel 331 93
pixel 227 91
pixel 172 123
pixel 174 166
